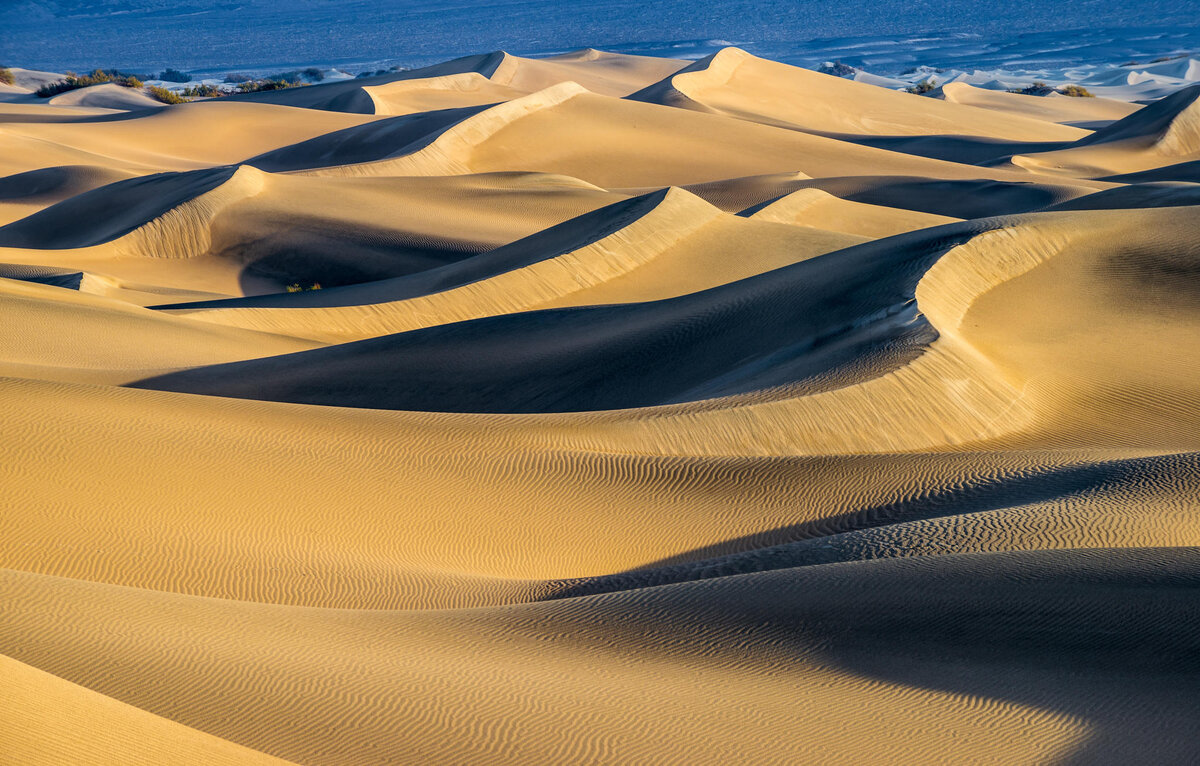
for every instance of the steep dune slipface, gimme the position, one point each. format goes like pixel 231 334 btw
pixel 617 432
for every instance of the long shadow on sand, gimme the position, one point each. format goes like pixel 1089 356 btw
pixel 792 324
pixel 1105 640
pixel 831 539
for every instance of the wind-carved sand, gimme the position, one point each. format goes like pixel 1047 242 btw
pixel 600 409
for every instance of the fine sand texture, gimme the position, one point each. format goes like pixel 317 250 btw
pixel 600 409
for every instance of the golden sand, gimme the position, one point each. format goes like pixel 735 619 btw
pixel 599 409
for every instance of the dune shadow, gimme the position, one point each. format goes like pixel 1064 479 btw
pixel 965 150
pixel 974 198
pixel 369 142
pixel 795 323
pixel 1105 641
pixel 817 542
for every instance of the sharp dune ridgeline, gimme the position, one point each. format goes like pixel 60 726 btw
pixel 599 409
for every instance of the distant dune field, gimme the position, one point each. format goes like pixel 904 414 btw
pixel 600 409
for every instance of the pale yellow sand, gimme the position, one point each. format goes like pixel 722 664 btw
pixel 684 428
pixel 1165 133
pixel 1052 108
pixel 735 83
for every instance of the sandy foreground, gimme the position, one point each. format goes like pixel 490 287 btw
pixel 648 411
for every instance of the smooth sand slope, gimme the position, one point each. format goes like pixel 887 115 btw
pixel 734 83
pixel 1164 133
pixel 1054 107
pixel 600 409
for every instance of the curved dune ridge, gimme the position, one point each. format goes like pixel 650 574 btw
pixel 600 409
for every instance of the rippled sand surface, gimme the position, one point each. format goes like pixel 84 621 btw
pixel 600 409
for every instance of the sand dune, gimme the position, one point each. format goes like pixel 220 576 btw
pixel 107 96
pixel 437 93
pixel 624 144
pixel 1164 133
pixel 462 81
pixel 23 194
pixel 599 409
pixel 818 209
pixel 189 136
pixel 658 246
pixel 241 231
pixel 1052 108
pixel 732 82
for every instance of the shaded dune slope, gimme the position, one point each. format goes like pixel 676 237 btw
pixel 611 357
pixel 657 246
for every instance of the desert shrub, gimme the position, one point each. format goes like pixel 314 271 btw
pixel 923 87
pixel 234 78
pixel 73 81
pixel 292 78
pixel 202 90
pixel 164 95
pixel 174 75
pixel 1077 91
pixel 296 287
pixel 1036 88
pixel 6 76
pixel 255 86
pixel 312 74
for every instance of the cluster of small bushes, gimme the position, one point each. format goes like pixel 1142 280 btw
pixel 173 75
pixel 245 83
pixel 296 287
pixel 6 76
pixel 1036 88
pixel 923 87
pixel 164 95
pixel 74 81
pixel 202 90
pixel 254 86
pixel 1077 91
pixel 1039 88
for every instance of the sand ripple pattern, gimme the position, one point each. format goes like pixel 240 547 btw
pixel 601 409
